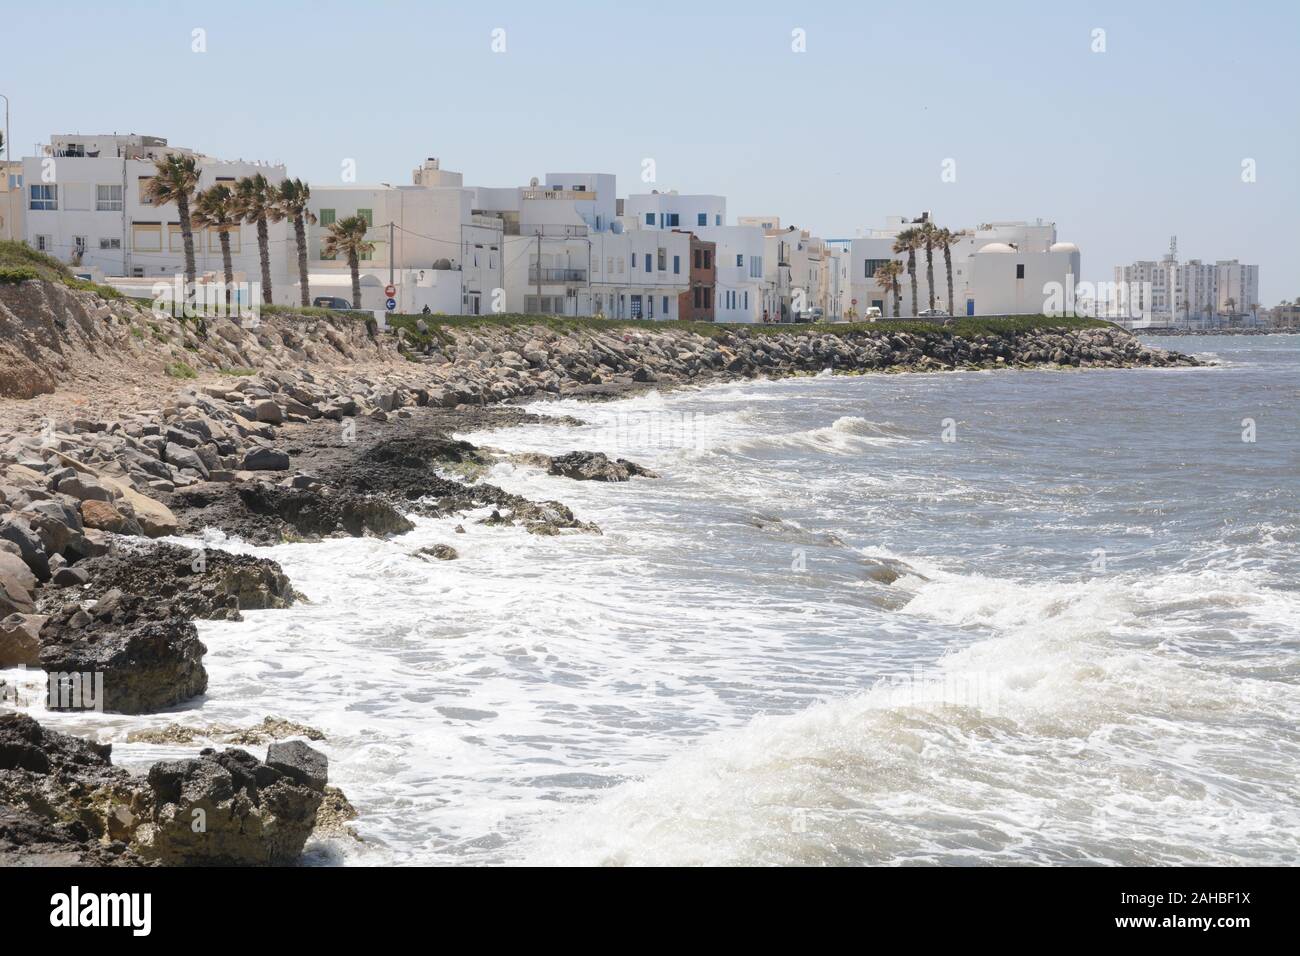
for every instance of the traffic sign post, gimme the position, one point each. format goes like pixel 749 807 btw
pixel 390 290
pixel 391 305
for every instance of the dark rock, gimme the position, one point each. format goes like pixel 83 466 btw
pixel 441 552
pixel 596 466
pixel 262 458
pixel 301 763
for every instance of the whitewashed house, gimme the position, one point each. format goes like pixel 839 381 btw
pixel 87 206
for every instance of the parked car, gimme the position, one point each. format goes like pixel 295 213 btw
pixel 872 313
pixel 331 302
pixel 931 314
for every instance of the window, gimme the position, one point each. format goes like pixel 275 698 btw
pixel 368 215
pixel 635 308
pixel 650 306
pixel 326 218
pixel 108 198
pixel 45 197
pixel 43 244
pixel 647 262
pixel 702 219
pixel 717 220
pixel 708 297
pixel 143 185
pixel 110 243
pixel 649 219
pixel 756 267
pixel 609 265
pixel 79 245
pixel 665 308
pixel 740 260
pixel 146 236
pixel 1020 270
pixel 871 266
pixel 662 260
pixel 677 265
pixel 746 298
pixel 673 220
pixel 698 259
pixel 708 259
pixel 175 237
pixel 698 296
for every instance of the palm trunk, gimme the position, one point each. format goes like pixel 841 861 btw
pixel 929 270
pixel 227 267
pixel 947 264
pixel 300 235
pixel 911 272
pixel 187 238
pixel 897 296
pixel 264 252
pixel 355 266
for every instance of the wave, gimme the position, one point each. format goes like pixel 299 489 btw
pixel 847 435
pixel 1072 731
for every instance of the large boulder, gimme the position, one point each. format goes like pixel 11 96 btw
pixel 228 808
pixel 313 514
pixel 20 640
pixel 596 466
pixel 117 657
pixel 262 458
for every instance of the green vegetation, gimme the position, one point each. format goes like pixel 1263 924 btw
pixel 14 275
pixel 237 371
pixel 20 262
pixel 180 370
pixel 311 311
pixel 965 327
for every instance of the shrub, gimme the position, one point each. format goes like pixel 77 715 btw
pixel 13 276
pixel 180 370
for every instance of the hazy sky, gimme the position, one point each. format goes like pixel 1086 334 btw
pixel 1121 148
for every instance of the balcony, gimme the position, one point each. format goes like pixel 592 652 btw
pixel 556 276
pixel 573 195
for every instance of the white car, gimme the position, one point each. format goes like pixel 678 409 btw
pixel 931 314
pixel 873 312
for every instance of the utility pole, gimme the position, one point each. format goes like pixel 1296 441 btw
pixel 9 153
pixel 539 271
pixel 391 252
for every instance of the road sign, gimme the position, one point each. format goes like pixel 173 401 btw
pixel 855 301
pixel 390 290
pixel 391 305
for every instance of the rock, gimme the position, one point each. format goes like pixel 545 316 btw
pixel 315 513
pixel 441 552
pixel 269 412
pixel 183 458
pixel 261 458
pixel 254 814
pixel 70 577
pixel 13 571
pixel 596 466
pixel 102 515
pixel 300 763
pixel 84 488
pixel 127 663
pixel 19 531
pixel 20 640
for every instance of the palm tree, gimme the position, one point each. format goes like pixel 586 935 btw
pixel 175 179
pixel 909 240
pixel 944 239
pixel 887 278
pixel 256 201
pixel 927 230
pixel 293 198
pixel 348 236
pixel 215 208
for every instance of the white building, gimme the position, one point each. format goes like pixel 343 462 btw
pixel 742 292
pixel 999 268
pixel 87 205
pixel 671 210
pixel 1192 294
pixel 13 200
pixel 426 239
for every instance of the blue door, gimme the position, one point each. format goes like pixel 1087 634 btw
pixel 970 306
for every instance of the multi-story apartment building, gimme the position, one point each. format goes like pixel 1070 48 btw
pixel 87 205
pixel 671 210
pixel 1192 293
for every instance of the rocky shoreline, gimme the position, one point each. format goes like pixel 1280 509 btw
pixel 310 445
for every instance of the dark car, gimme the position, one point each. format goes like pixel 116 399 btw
pixel 331 302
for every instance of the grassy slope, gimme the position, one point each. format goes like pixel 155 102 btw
pixel 21 261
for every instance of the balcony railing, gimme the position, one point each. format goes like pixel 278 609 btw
pixel 557 275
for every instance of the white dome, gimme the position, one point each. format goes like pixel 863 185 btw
pixel 1063 247
pixel 996 247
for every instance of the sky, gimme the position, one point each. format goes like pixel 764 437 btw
pixel 1182 118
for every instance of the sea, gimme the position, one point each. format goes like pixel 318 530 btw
pixel 971 618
